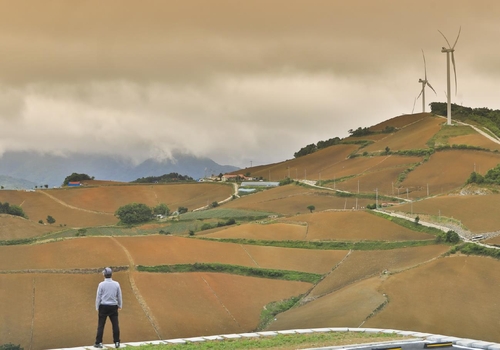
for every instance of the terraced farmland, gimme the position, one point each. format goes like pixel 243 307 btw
pixel 372 270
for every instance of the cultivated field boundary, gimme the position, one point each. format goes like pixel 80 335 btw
pixel 413 336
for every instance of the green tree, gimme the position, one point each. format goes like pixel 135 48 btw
pixel 311 208
pixel 387 150
pixel 76 177
pixel 134 213
pixel 182 210
pixel 417 219
pixel 46 186
pixel 161 209
pixel 214 204
pixel 50 219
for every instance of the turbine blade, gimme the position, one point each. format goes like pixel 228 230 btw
pixel 454 70
pixel 414 102
pixel 425 66
pixel 421 91
pixel 445 38
pixel 458 36
pixel 432 88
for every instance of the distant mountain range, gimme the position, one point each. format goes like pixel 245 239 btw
pixel 29 169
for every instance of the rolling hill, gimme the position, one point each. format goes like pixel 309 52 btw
pixel 217 268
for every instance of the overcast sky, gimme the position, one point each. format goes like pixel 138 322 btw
pixel 237 81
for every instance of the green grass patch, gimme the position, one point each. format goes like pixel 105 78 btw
pixel 475 249
pixel 235 270
pixel 327 245
pixel 274 308
pixel 408 224
pixel 225 213
pixel 447 131
pixel 283 341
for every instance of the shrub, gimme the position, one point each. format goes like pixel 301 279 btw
pixel 134 213
pixel 10 346
pixel 50 219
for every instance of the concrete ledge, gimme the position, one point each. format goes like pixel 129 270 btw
pixel 416 336
pixel 482 344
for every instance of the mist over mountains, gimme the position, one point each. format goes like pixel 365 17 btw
pixel 51 170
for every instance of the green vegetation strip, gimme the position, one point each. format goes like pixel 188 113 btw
pixel 475 249
pixel 235 270
pixel 411 225
pixel 225 213
pixel 327 245
pixel 283 342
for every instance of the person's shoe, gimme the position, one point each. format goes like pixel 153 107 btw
pixel 117 344
pixel 98 345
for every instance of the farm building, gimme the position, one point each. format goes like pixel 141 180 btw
pixel 74 183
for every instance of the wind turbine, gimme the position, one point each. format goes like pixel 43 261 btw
pixel 424 82
pixel 450 49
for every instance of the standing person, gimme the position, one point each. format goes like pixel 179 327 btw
pixel 108 301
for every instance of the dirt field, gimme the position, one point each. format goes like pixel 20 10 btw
pixel 61 308
pixel 346 308
pixel 15 227
pixel 205 304
pixel 163 250
pixel 293 199
pixel 477 213
pixel 452 296
pixel 355 226
pixel 88 252
pixel 401 121
pixel 413 136
pixel 304 167
pixel 474 139
pixel 109 198
pixel 272 232
pixel 360 265
pixel 38 206
pixel 444 173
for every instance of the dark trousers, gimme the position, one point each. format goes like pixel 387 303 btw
pixel 106 311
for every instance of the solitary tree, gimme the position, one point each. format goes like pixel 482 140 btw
pixel 50 219
pixel 417 219
pixel 311 208
pixel 134 213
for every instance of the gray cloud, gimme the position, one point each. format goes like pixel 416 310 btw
pixel 238 82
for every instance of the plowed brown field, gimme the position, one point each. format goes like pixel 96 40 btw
pixel 306 260
pixel 384 181
pixel 15 227
pixel 478 213
pixel 68 254
pixel 205 303
pixel 361 165
pixel 61 309
pixel 308 167
pixel 454 296
pixel 474 139
pixel 413 136
pixel 348 307
pixel 355 226
pixel 161 250
pixel 38 206
pixel 292 199
pixel 363 264
pixel 109 198
pixel 272 232
pixel 401 121
pixel 448 170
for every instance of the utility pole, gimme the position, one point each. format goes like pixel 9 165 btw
pixel 427 190
pixel 376 198
pixel 358 186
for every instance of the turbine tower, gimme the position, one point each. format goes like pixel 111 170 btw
pixel 424 82
pixel 448 51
